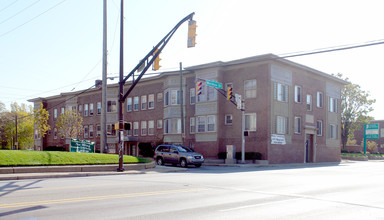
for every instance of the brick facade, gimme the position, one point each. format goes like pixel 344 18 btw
pixel 273 107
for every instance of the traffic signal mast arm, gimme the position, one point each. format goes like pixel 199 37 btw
pixel 154 53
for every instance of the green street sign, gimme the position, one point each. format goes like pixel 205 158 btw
pixel 214 84
pixel 82 146
pixel 371 131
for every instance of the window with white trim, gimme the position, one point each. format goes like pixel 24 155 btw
pixel 201 120
pixel 98 130
pixel 281 92
pixel 298 94
pixel 332 104
pixel 55 133
pixel 192 125
pixel 111 130
pixel 319 100
pixel 85 109
pixel 143 102
pixel 55 113
pixel 151 101
pixel 111 106
pixel 333 131
pixel 143 128
pixel 297 125
pixel 91 132
pixel 281 125
pixel 172 126
pixel 250 122
pixel 319 128
pixel 192 96
pixel 129 104
pixel 136 128
pixel 91 109
pixel 151 127
pixel 211 123
pixel 159 124
pixel 159 96
pixel 98 108
pixel 228 119
pixel 86 132
pixel 136 103
pixel 250 88
pixel 309 102
pixel 62 110
pixel 80 110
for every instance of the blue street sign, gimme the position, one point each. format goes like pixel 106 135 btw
pixel 214 84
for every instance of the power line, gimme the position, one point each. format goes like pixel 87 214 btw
pixel 21 25
pixel 8 5
pixel 19 12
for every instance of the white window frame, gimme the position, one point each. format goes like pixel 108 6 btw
pixel 80 109
pixel 62 110
pixel 143 102
pixel 91 131
pixel 309 102
pixel 333 104
pixel 98 108
pixel 143 128
pixel 151 101
pixel 298 96
pixel 201 124
pixel 319 128
pixel 111 106
pixel 282 92
pixel 55 113
pixel 159 97
pixel 159 124
pixel 151 127
pixel 297 125
pixel 320 100
pixel 192 125
pixel 192 96
pixel 211 123
pixel 250 122
pixel 228 119
pixel 85 109
pixel 91 109
pixel 136 128
pixel 129 104
pixel 86 131
pixel 250 88
pixel 136 104
pixel 55 133
pixel 281 125
pixel 98 130
pixel 332 131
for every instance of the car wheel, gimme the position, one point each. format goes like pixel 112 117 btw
pixel 160 161
pixel 197 165
pixel 183 163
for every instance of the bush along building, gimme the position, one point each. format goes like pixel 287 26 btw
pixel 292 112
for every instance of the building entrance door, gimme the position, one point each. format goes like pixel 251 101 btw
pixel 309 152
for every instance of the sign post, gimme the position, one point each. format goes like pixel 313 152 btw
pixel 371 131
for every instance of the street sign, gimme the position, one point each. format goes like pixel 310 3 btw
pixel 371 131
pixel 82 146
pixel 214 84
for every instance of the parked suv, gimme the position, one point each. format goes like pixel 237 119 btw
pixel 177 154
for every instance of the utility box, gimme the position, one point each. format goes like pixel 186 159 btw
pixel 231 155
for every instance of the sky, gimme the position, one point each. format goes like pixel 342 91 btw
pixel 48 47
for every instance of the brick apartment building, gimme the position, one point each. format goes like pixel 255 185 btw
pixel 292 112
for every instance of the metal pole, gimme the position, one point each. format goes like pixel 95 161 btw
pixel 242 132
pixel 16 142
pixel 365 139
pixel 181 104
pixel 121 90
pixel 103 123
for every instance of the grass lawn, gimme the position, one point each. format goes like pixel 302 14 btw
pixel 37 158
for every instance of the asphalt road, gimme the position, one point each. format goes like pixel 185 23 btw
pixel 351 190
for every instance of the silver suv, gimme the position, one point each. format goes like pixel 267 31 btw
pixel 177 154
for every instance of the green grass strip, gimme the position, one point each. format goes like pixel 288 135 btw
pixel 44 158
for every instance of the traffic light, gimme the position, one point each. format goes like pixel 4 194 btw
pixel 191 33
pixel 229 93
pixel 199 87
pixel 156 63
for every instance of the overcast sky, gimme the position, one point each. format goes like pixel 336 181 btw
pixel 52 46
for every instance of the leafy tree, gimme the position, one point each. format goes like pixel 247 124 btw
pixel 69 124
pixel 41 117
pixel 355 107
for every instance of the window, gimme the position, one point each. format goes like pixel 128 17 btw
pixel 111 106
pixel 309 102
pixel 250 88
pixel 143 128
pixel 281 125
pixel 211 123
pixel 250 122
pixel 129 104
pixel 143 102
pixel 332 104
pixel 211 93
pixel 319 99
pixel 62 110
pixel 159 124
pixel 298 94
pixel 319 126
pixel 192 125
pixel 159 96
pixel 80 109
pixel 297 125
pixel 55 133
pixel 91 131
pixel 85 109
pixel 332 131
pixel 135 128
pixel 281 92
pixel 192 96
pixel 86 131
pixel 54 113
pixel 98 108
pixel 111 129
pixel 151 127
pixel 129 132
pixel 228 119
pixel 98 130
pixel 175 97
pixel 202 97
pixel 73 108
pixel 91 109
pixel 151 101
pixel 136 103
pixel 201 124
pixel 172 126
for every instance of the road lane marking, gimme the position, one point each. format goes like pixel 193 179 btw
pixel 256 205
pixel 92 198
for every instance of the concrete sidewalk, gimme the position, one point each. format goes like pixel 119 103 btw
pixel 42 172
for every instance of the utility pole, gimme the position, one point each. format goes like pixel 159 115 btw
pixel 103 123
pixel 181 105
pixel 242 131
pixel 16 143
pixel 121 90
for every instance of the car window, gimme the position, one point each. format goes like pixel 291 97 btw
pixel 163 149
pixel 173 149
pixel 182 148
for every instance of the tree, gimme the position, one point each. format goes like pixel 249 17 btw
pixel 69 124
pixel 355 107
pixel 41 117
